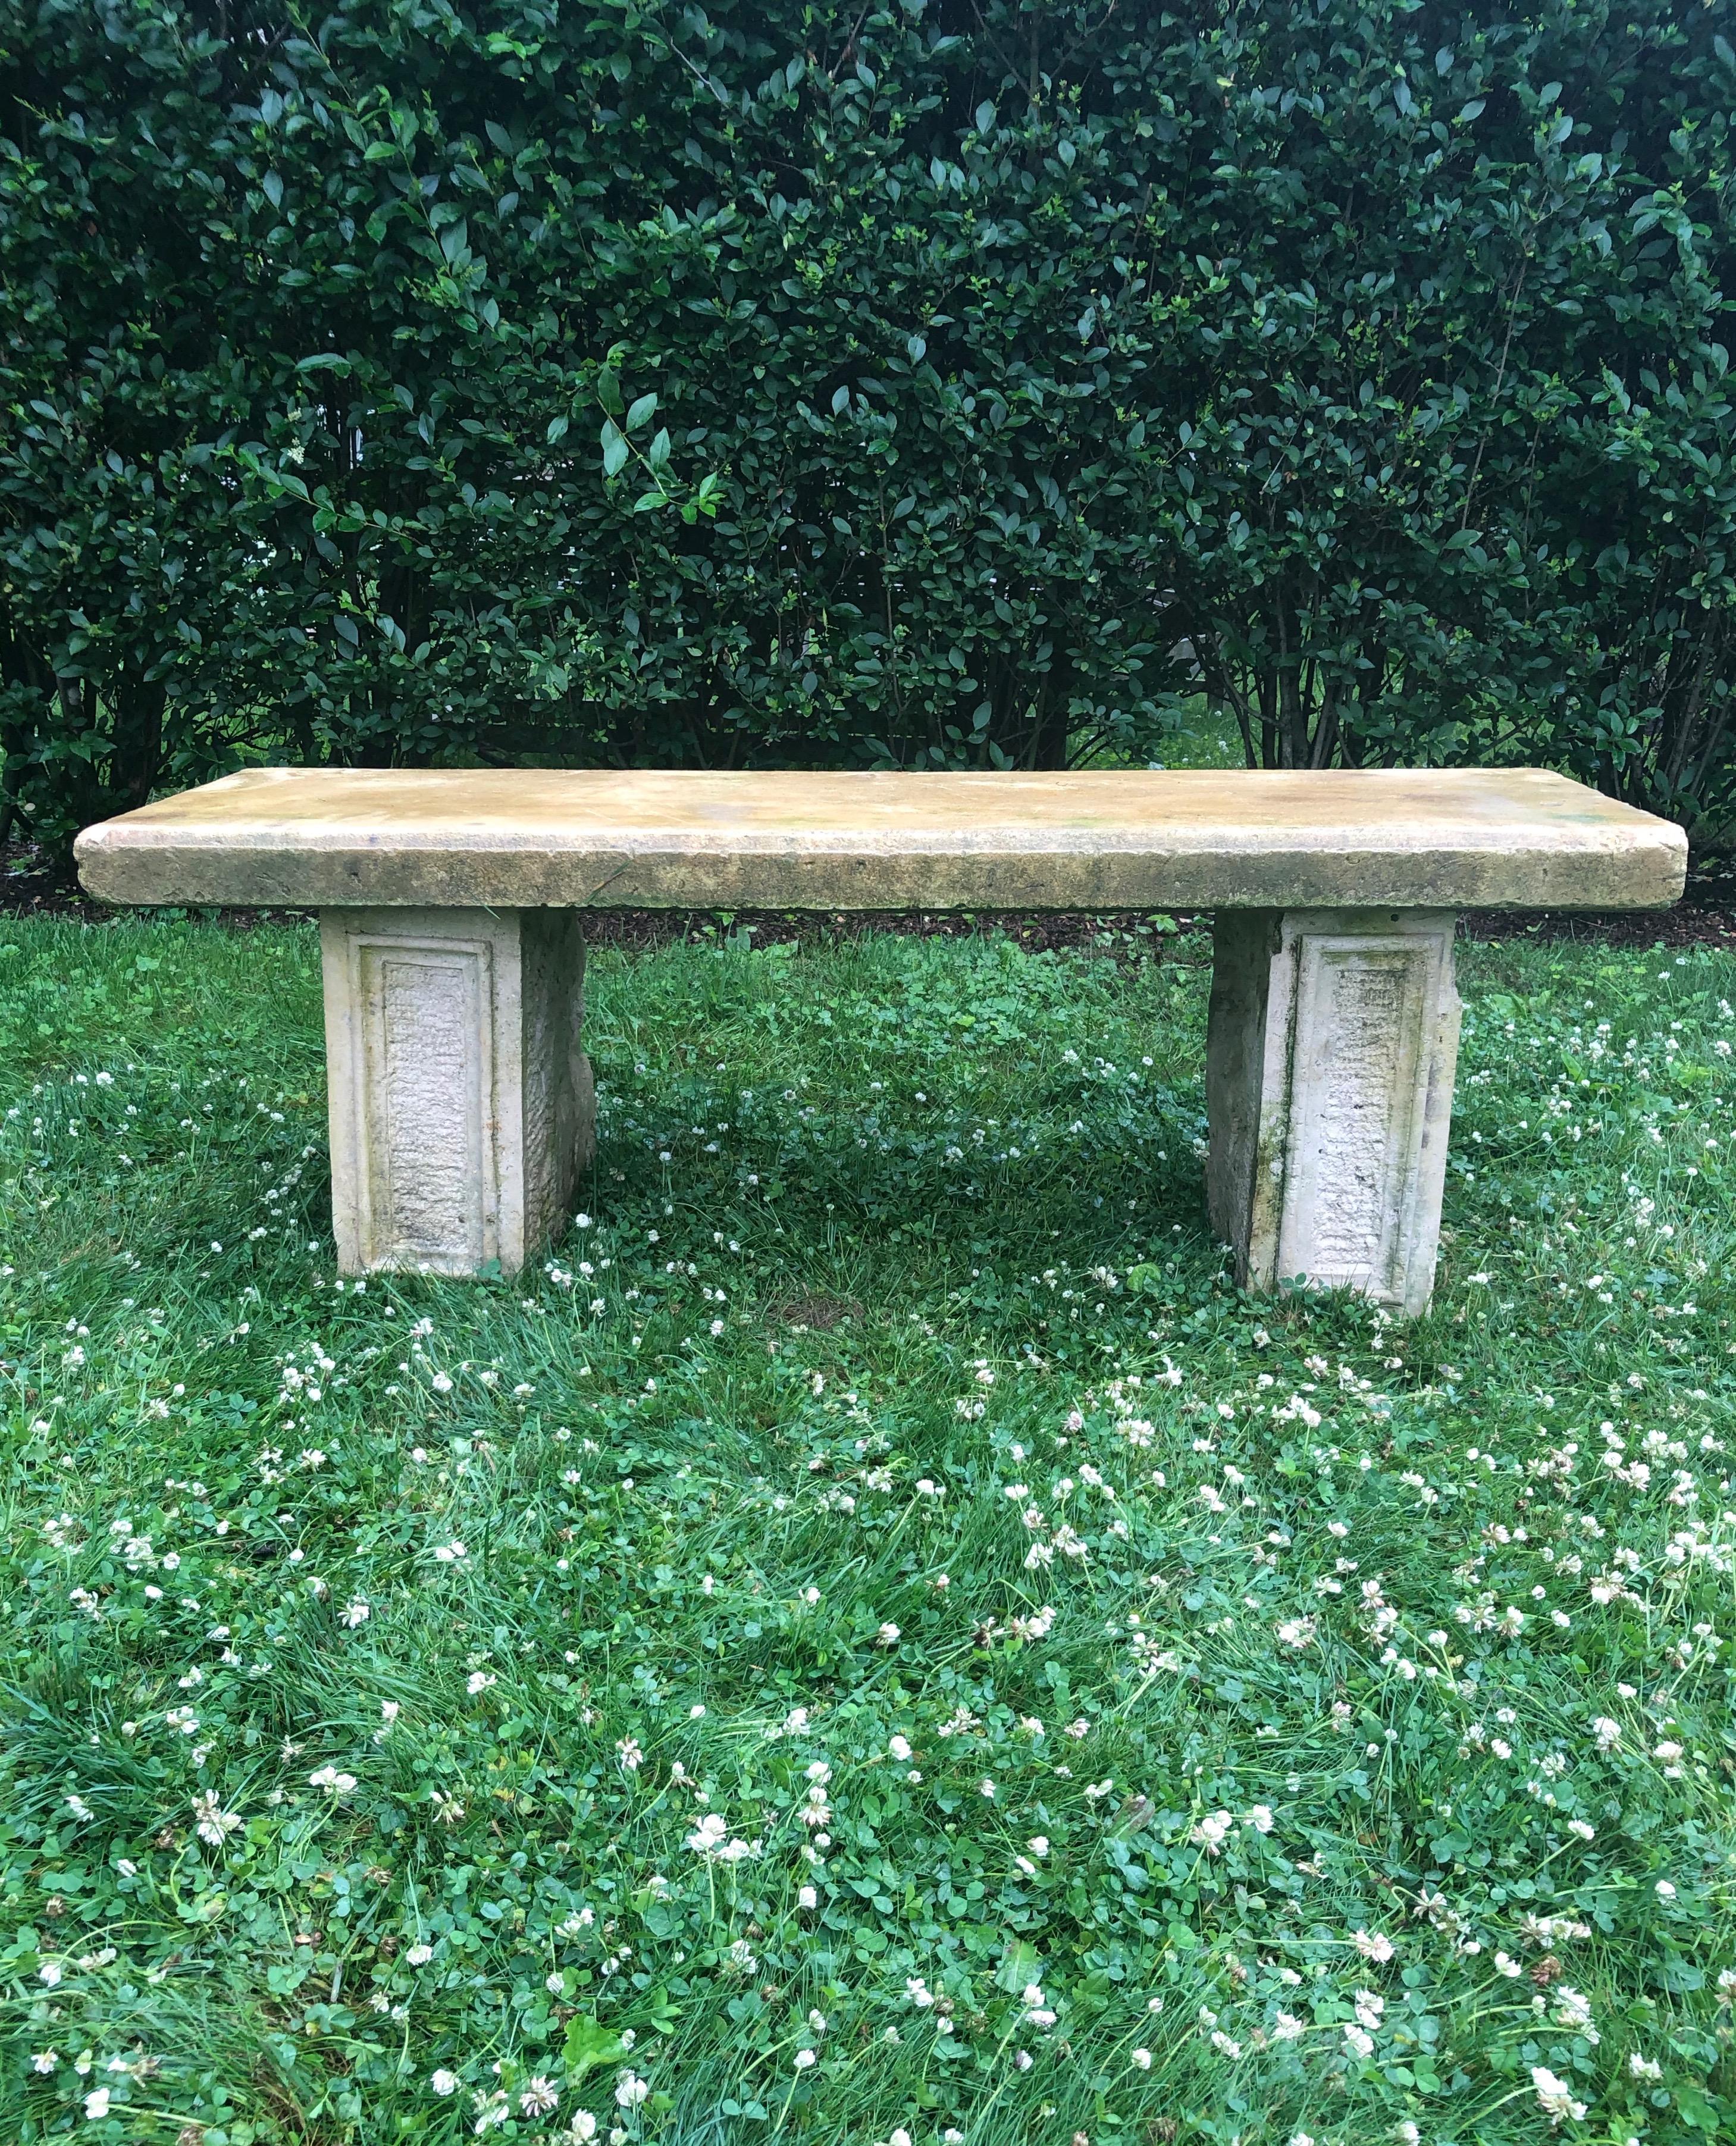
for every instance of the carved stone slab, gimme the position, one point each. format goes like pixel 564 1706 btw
pixel 1089 839
pixel 1333 1039
pixel 460 1102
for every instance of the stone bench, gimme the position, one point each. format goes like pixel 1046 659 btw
pixel 451 912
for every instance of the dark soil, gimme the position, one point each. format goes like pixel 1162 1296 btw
pixel 33 885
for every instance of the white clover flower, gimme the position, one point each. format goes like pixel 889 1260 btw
pixel 492 2110
pixel 444 2083
pixel 1141 2060
pixel 214 1824
pixel 899 1748
pixel 1211 1831
pixel 1554 2097
pixel 329 1779
pixel 45 2060
pixel 96 2105
pixel 419 1955
pixel 805 2059
pixel 1259 1818
pixel 807 1898
pixel 631 2091
pixel 1372 1945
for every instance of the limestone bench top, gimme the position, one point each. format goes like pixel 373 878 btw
pixel 1105 839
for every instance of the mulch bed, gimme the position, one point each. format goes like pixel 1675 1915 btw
pixel 33 885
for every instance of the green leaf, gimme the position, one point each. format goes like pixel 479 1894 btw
pixel 587 2045
pixel 1699 2110
pixel 1020 1963
pixel 615 449
pixel 642 412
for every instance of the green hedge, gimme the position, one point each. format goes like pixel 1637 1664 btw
pixel 949 384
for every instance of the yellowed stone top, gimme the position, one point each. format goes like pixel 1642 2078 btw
pixel 1120 839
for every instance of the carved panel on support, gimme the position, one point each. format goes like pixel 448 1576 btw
pixel 460 1102
pixel 427 1014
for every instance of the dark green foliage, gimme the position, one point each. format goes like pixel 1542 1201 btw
pixel 931 385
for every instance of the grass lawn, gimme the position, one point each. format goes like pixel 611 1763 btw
pixel 878 1641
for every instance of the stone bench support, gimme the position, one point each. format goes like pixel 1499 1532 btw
pixel 461 1105
pixel 1330 1050
pixel 460 1102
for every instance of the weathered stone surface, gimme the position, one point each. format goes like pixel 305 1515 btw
pixel 1126 838
pixel 1331 1045
pixel 459 1100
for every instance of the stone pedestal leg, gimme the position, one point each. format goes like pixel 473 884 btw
pixel 460 1102
pixel 1329 1060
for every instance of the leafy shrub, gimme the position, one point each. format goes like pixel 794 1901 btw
pixel 934 384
